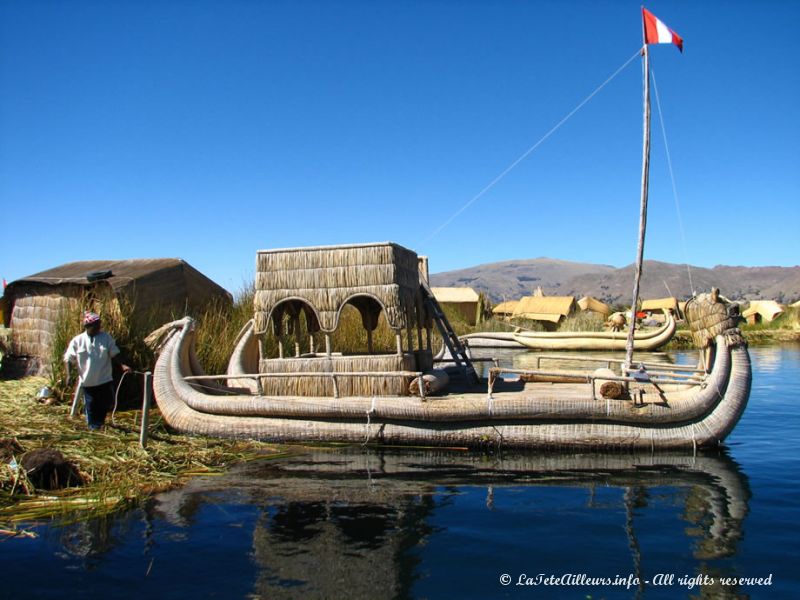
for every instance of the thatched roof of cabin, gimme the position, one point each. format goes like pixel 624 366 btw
pixel 544 308
pixel 152 280
pixel 660 304
pixel 318 281
pixel 594 305
pixel 455 295
pixel 505 308
pixel 768 310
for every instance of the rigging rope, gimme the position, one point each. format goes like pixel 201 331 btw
pixel 525 154
pixel 672 179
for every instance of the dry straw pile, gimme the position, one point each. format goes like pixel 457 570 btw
pixel 116 470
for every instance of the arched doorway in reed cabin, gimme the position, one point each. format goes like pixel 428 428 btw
pixel 295 330
pixel 310 297
pixel 361 327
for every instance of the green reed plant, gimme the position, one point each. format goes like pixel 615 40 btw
pixel 583 321
pixel 218 326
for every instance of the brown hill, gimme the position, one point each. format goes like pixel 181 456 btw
pixel 509 280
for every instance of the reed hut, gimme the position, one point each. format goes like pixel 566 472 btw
pixel 657 308
pixel 762 311
pixel 306 289
pixel 549 310
pixel 506 309
pixel 34 304
pixel 591 304
pixel 464 300
pixel 660 304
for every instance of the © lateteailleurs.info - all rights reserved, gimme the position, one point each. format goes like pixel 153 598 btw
pixel 630 580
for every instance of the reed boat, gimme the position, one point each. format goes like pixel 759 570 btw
pixel 604 341
pixel 384 398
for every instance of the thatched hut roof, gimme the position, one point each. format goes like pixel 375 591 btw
pixel 762 310
pixel 505 308
pixel 594 305
pixel 455 295
pixel 544 308
pixel 660 304
pixel 320 280
pixel 150 280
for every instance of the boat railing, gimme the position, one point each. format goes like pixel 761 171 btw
pixel 591 378
pixel 332 375
pixel 649 365
pixel 492 360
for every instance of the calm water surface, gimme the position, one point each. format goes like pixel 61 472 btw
pixel 412 524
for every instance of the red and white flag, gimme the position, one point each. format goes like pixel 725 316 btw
pixel 655 32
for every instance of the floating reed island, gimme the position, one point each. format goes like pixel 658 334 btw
pixel 306 391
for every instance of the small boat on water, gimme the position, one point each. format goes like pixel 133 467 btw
pixel 315 394
pixel 605 341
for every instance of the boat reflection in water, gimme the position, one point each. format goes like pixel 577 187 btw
pixel 336 523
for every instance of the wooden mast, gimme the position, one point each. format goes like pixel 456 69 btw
pixel 642 211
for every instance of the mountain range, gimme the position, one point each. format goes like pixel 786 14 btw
pixel 510 280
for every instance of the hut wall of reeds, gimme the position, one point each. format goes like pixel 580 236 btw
pixel 37 302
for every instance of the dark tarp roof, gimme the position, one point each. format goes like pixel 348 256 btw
pixel 156 275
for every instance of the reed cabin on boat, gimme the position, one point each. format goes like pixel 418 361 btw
pixel 314 285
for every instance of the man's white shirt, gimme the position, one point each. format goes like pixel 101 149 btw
pixel 93 356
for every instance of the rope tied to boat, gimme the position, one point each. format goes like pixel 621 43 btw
pixel 370 412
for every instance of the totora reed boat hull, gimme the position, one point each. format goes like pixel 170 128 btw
pixel 698 412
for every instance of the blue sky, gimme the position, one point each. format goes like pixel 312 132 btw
pixel 209 130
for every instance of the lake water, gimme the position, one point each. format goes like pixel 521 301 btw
pixel 361 523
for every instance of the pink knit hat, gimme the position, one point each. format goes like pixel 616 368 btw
pixel 90 318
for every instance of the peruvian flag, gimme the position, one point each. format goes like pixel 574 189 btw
pixel 655 32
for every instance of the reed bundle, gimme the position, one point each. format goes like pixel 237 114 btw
pixel 382 383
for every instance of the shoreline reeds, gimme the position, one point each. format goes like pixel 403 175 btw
pixel 117 471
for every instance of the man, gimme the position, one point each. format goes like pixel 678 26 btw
pixel 93 351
